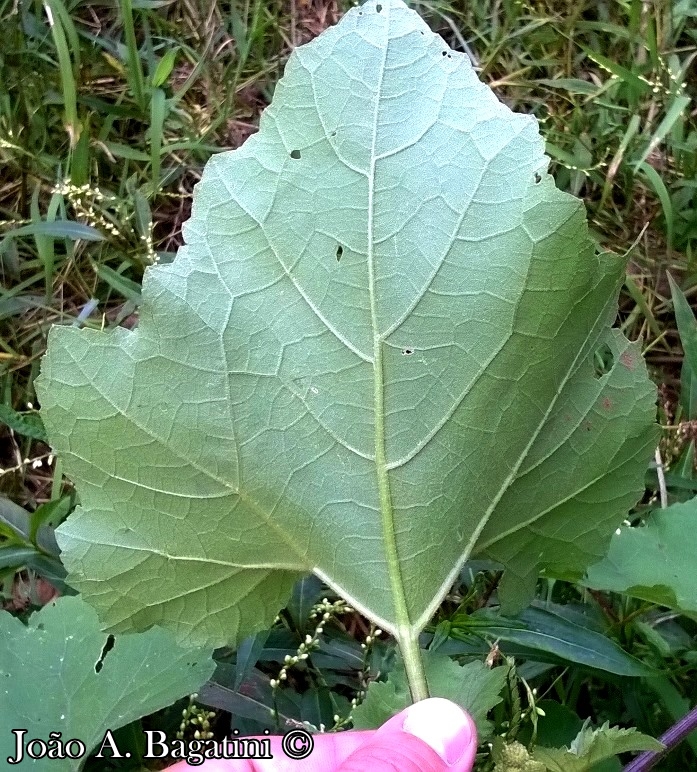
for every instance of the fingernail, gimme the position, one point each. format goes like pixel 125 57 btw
pixel 444 726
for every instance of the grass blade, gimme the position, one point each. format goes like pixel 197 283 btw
pixel 69 88
pixel 687 327
pixel 135 70
pixel 158 110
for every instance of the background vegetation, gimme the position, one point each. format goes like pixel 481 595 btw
pixel 108 112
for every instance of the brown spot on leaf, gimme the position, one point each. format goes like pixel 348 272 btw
pixel 607 403
pixel 628 360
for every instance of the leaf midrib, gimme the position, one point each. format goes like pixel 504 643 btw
pixel 403 627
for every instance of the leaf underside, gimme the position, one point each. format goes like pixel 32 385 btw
pixel 374 358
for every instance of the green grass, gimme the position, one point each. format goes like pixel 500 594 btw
pixel 109 111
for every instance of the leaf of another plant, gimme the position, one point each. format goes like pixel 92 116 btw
pixel 545 631
pixel 255 700
pixel 26 541
pixel 558 726
pixel 248 653
pixel 55 677
pixel 473 686
pixel 27 424
pixel 305 594
pixel 57 229
pixel 45 518
pixel 653 562
pixel 14 520
pixel 18 524
pixel 592 746
pixel 676 705
pixel 687 327
pixel 373 359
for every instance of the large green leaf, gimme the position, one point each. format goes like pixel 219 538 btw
pixel 58 674
pixel 374 358
pixel 654 562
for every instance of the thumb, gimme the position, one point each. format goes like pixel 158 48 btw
pixel 433 735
